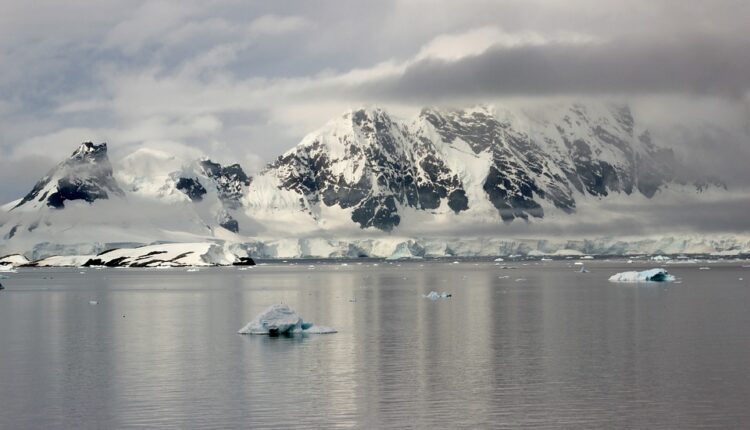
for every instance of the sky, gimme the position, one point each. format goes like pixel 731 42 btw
pixel 245 81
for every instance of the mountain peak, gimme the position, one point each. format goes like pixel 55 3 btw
pixel 90 151
pixel 85 175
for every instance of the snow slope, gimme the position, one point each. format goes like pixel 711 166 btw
pixel 373 181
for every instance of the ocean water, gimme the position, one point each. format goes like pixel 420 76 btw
pixel 539 346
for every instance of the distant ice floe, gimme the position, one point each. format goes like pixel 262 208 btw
pixel 434 295
pixel 7 268
pixel 13 260
pixel 280 319
pixel 159 256
pixel 653 275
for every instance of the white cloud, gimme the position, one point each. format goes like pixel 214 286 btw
pixel 452 47
pixel 276 25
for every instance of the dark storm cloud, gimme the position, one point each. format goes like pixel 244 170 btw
pixel 689 65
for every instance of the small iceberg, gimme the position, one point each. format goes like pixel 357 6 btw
pixel 279 320
pixel 434 295
pixel 499 259
pixel 7 268
pixel 653 275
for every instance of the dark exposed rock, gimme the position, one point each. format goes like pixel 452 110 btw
pixel 192 188
pixel 229 181
pixel 85 175
pixel 387 166
pixel 244 261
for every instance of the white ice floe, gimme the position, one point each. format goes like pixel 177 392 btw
pixel 653 275
pixel 281 319
pixel 7 268
pixel 434 295
pixel 13 260
pixel 499 259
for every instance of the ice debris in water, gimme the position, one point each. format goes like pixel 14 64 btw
pixel 653 275
pixel 281 319
pixel 434 295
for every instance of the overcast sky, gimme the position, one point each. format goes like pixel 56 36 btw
pixel 244 81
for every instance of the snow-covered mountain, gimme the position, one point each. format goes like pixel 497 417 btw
pixel 365 173
pixel 86 175
pixel 463 166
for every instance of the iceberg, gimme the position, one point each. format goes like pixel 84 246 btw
pixel 7 268
pixel 434 295
pixel 653 275
pixel 280 319
pixel 13 260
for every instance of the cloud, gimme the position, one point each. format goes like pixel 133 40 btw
pixel 246 80
pixel 276 25
pixel 698 66
pixel 452 47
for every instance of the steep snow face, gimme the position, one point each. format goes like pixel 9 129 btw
pixel 366 163
pixel 85 175
pixel 230 181
pixel 215 191
pixel 377 170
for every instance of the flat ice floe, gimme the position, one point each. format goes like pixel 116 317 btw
pixel 653 275
pixel 281 319
pixel 434 295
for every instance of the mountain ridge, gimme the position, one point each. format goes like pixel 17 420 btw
pixel 363 171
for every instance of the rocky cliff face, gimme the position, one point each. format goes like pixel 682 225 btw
pixel 85 175
pixel 454 160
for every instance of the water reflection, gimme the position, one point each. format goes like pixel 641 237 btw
pixel 558 349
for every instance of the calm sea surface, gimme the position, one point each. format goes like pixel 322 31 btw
pixel 540 346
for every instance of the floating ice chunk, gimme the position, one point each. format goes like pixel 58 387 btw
pixel 704 268
pixel 281 319
pixel 583 270
pixel 8 268
pixel 660 258
pixel 499 259
pixel 193 269
pixel 434 295
pixel 653 275
pixel 93 302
